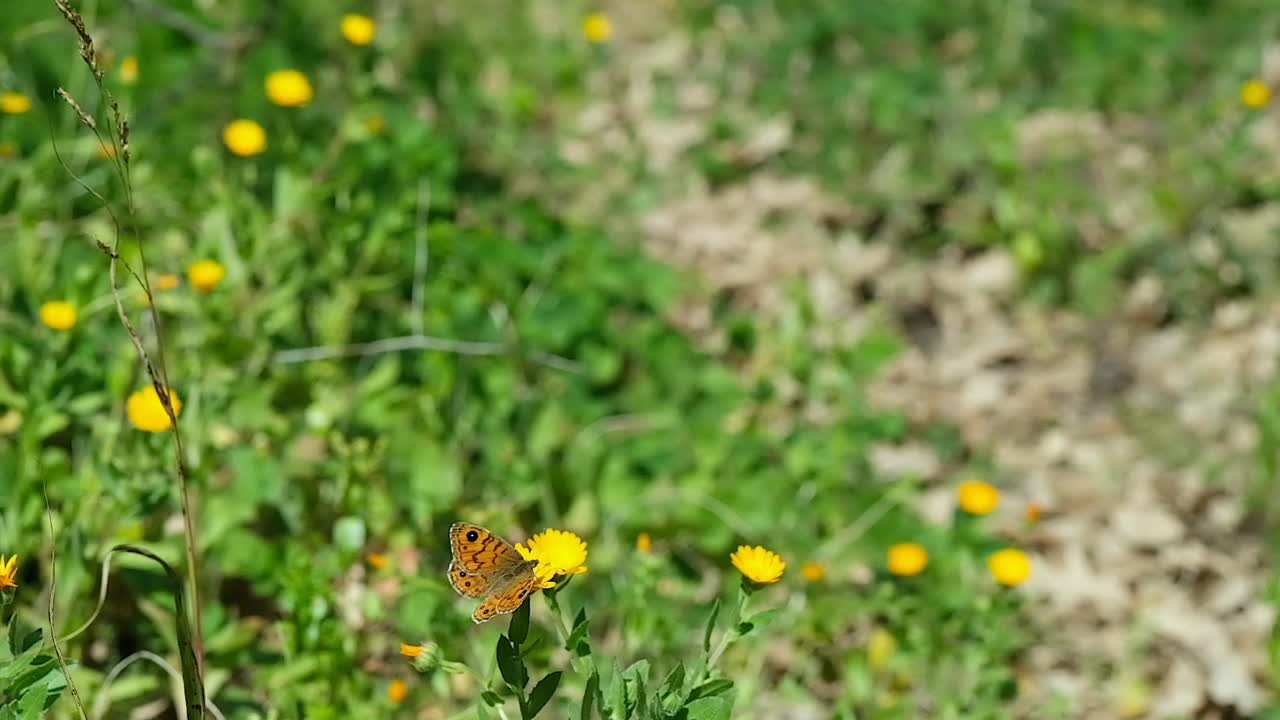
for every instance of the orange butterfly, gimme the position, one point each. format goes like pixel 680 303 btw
pixel 488 567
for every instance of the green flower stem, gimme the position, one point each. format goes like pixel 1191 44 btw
pixel 561 627
pixel 729 634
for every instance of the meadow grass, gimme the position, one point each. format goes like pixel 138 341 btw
pixel 323 283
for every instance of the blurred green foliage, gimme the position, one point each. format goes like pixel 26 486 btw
pixel 556 387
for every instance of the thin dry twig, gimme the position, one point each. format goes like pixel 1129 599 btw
pixel 416 342
pixel 119 135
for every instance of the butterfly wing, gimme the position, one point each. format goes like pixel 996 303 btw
pixel 470 584
pixel 508 599
pixel 479 551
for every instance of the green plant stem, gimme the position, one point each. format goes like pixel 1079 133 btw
pixel 557 613
pixel 727 637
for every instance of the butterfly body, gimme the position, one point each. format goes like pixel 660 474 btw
pixel 486 567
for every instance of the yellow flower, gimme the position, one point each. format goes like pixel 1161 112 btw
pixel 397 691
pixel 375 124
pixel 245 138
pixel 597 28
pixel 146 411
pixel 644 543
pixel 378 560
pixel 558 552
pixel 14 103
pixel 411 651
pixel 908 559
pixel 358 29
pixel 206 274
pixel 880 648
pixel 289 88
pixel 167 281
pixel 758 564
pixel 1034 511
pixel 8 572
pixel 129 69
pixel 58 314
pixel 1010 566
pixel 978 497
pixel 1255 94
pixel 813 571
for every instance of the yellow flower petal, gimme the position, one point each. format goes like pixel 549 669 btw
pixel 813 571
pixel 558 552
pixel 289 88
pixel 129 69
pixel 978 497
pixel 146 411
pixel 205 275
pixel 908 559
pixel 1010 566
pixel 358 29
pixel 644 543
pixel 758 564
pixel 244 137
pixel 397 691
pixel 14 103
pixel 58 314
pixel 1255 94
pixel 8 572
pixel 597 28
pixel 880 648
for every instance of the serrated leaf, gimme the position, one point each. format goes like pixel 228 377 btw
pixel 542 692
pixel 510 664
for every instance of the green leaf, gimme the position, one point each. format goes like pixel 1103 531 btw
pixel 617 693
pixel 518 631
pixel 542 693
pixel 711 625
pixel 757 621
pixel 491 698
pixel 589 696
pixel 31 639
pixel 637 678
pixel 711 708
pixel 14 668
pixel 674 682
pixel 31 706
pixel 510 664
pixel 710 688
pixel 577 635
